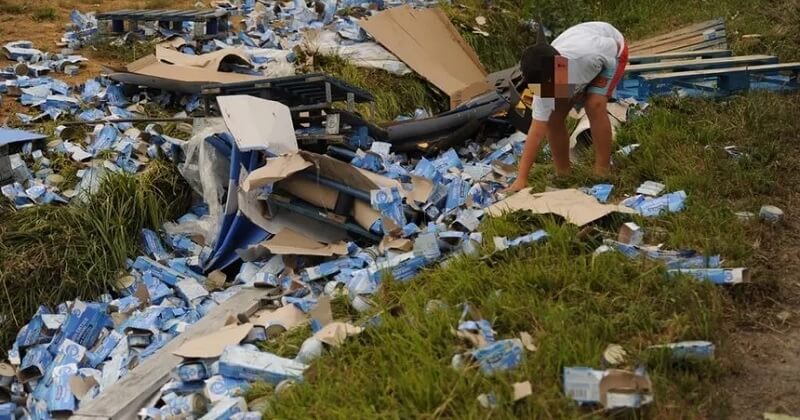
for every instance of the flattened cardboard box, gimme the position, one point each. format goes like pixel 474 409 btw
pixel 427 42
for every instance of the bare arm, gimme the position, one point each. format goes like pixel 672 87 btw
pixel 536 134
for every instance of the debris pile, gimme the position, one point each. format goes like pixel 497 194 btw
pixel 291 227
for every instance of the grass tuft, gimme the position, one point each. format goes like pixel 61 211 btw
pixel 53 254
pixel 44 13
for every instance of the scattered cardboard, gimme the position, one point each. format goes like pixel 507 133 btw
pixel 289 242
pixel 426 41
pixel 400 244
pixel 142 294
pixel 212 345
pixel 575 206
pixel 275 170
pixel 174 71
pixel 622 388
pixel 215 280
pixel 288 316
pixel 258 124
pixel 527 341
pixel 522 390
pixel 335 333
pixel 322 311
pixel 80 386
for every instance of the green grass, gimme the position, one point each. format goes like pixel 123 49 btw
pixel 44 13
pixel 575 304
pixel 52 254
pixel 11 8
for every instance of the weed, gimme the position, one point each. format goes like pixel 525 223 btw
pixel 44 13
pixel 53 254
pixel 11 8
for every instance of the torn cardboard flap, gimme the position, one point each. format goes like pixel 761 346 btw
pixel 426 41
pixel 275 170
pixel 288 317
pixel 258 124
pixel 212 345
pixel 622 388
pixel 322 311
pixel 171 70
pixel 575 206
pixel 522 390
pixel 400 244
pixel 335 333
pixel 289 242
pixel 80 386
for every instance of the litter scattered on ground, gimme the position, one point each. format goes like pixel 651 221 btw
pixel 702 350
pixel 306 225
pixel 771 214
pixel 611 389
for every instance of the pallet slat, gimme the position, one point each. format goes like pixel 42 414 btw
pixel 699 64
pixel 655 58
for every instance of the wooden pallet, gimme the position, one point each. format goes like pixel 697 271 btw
pixel 680 55
pixel 697 64
pixel 705 35
pixel 721 81
pixel 212 21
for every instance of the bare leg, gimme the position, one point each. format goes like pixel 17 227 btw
pixel 558 138
pixel 600 126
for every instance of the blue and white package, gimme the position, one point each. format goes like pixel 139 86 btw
pixel 716 275
pixel 60 398
pixel 35 363
pixel 703 350
pixel 224 409
pixel 218 387
pixel 482 327
pixel 240 362
pixel 194 370
pixel 249 415
pixel 499 356
pixel 101 352
pixel 457 192
pixel 153 246
pixel 389 203
pixel 84 324
pixel 600 191
pixel 162 272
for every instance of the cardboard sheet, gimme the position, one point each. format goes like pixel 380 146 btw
pixel 575 206
pixel 275 170
pixel 427 42
pixel 212 345
pixel 522 390
pixel 80 386
pixel 289 242
pixel 322 311
pixel 288 317
pixel 174 71
pixel 258 124
pixel 335 333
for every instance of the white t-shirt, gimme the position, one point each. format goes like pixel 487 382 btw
pixel 588 47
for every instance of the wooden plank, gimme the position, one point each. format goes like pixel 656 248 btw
pixel 681 41
pixel 654 45
pixel 124 399
pixel 717 72
pixel 654 58
pixel 699 64
pixel 691 29
pixel 721 43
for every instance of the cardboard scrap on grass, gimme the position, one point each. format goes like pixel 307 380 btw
pixel 427 41
pixel 212 345
pixel 174 71
pixel 289 242
pixel 575 206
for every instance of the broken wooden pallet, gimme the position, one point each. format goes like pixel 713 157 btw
pixel 679 55
pixel 208 22
pixel 716 82
pixel 697 64
pixel 705 35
